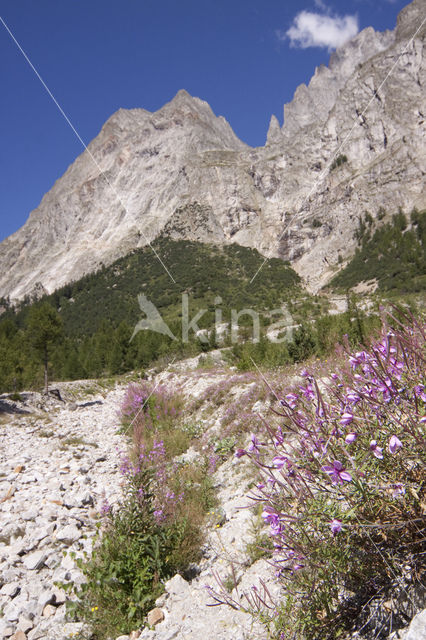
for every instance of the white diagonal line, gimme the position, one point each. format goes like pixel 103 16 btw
pixel 82 141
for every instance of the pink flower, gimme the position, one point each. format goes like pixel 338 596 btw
pixel 335 526
pixel 352 397
pixel 308 391
pixel 394 444
pixel 291 399
pixel 279 462
pixel 272 518
pixel 351 437
pixel 346 419
pixel 419 392
pixel 398 489
pixel 376 450
pixel 337 473
pixel 254 444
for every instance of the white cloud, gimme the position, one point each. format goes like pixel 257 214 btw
pixel 321 5
pixel 318 30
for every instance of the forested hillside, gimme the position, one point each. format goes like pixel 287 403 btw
pixel 393 254
pixel 99 312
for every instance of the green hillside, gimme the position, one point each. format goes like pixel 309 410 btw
pixel 394 254
pixel 202 271
pixel 99 311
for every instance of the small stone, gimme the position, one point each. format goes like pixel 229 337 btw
pixel 11 589
pixel 41 533
pixel 10 575
pixel 31 514
pixel 19 468
pixel 10 490
pixel 60 503
pixel 35 560
pixel 122 638
pixel 170 634
pixel 87 500
pixel 31 609
pixel 135 634
pixel 12 612
pixel 177 586
pixel 67 562
pixel 36 634
pixel 60 596
pixel 47 596
pixel 53 561
pixel 25 624
pixel 49 611
pixel 161 600
pixel 155 616
pixel 69 534
pixel 19 635
pixel 417 628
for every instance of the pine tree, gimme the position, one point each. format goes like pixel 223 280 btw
pixel 44 330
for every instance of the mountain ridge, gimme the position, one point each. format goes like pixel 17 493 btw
pixel 145 170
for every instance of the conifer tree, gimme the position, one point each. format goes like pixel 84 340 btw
pixel 44 330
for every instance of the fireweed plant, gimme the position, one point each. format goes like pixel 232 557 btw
pixel 149 414
pixel 343 494
pixel 157 529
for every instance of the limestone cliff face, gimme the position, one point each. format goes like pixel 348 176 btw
pixel 183 172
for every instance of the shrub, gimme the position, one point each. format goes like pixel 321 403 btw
pixel 343 491
pixel 156 532
pixel 337 162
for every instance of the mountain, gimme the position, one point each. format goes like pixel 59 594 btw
pixel 353 140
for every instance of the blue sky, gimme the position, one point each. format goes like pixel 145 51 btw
pixel 245 57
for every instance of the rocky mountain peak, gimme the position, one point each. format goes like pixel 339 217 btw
pixel 182 168
pixel 315 101
pixel 274 135
pixel 410 19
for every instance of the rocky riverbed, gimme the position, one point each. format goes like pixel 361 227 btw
pixel 59 462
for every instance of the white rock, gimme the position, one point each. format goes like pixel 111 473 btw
pixel 47 596
pixel 417 628
pixel 12 611
pixel 177 586
pixel 35 560
pixel 10 589
pixel 68 534
pixel 24 624
pixel 6 629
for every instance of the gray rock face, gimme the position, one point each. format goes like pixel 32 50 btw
pixel 182 171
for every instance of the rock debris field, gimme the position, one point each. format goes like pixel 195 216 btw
pixel 59 460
